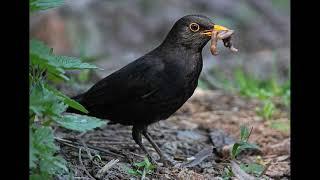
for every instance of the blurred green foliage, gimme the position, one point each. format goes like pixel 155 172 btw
pixel 47 105
pixel 268 91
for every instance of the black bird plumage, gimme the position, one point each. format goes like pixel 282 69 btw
pixel 155 85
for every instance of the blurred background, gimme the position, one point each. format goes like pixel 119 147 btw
pixel 112 33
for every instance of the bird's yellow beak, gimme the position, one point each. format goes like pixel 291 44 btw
pixel 220 28
pixel 215 28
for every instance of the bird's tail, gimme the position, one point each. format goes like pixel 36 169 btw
pixel 77 98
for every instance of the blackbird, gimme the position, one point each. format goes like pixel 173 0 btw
pixel 154 86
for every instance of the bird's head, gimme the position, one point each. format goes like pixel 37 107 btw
pixel 192 31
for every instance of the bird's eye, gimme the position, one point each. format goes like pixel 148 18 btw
pixel 194 27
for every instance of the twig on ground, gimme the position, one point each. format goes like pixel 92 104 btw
pixel 138 155
pixel 83 178
pixel 87 149
pixel 198 158
pixel 81 135
pixel 83 167
pixel 67 142
pixel 106 167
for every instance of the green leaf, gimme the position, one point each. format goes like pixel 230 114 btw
pixel 43 140
pixel 53 165
pixel 244 146
pixel 32 152
pixel 142 168
pixel 36 5
pixel 227 173
pixel 80 123
pixel 148 166
pixel 252 168
pixel 43 63
pixel 41 55
pixel 244 133
pixel 44 102
pixel 38 47
pixel 67 100
pixel 133 172
pixel 43 147
pixel 40 176
pixel 234 150
pixel 146 160
pixel 241 146
pixel 66 62
pixel 140 164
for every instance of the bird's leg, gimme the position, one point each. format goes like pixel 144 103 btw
pixel 136 135
pixel 165 160
pixel 154 145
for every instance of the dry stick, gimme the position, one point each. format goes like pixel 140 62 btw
pixel 114 143
pixel 137 155
pixel 81 135
pixel 106 167
pixel 87 149
pixel 82 178
pixel 89 153
pixel 64 141
pixel 84 168
pixel 198 158
pixel 98 149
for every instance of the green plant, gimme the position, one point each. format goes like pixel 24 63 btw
pixel 142 168
pixel 243 144
pixel 227 173
pixel 252 168
pixel 238 147
pixel 47 105
pixel 267 109
pixel 283 126
pixel 264 90
pixel 36 5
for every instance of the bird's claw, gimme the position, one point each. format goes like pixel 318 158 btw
pixel 151 159
pixel 168 163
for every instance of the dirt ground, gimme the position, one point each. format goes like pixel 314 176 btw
pixel 209 123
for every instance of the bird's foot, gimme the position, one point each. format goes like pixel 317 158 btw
pixel 167 162
pixel 163 161
pixel 151 159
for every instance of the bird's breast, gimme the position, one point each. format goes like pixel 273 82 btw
pixel 183 75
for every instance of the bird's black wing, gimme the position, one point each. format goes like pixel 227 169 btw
pixel 133 82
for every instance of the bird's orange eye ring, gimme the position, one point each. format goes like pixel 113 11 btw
pixel 194 27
